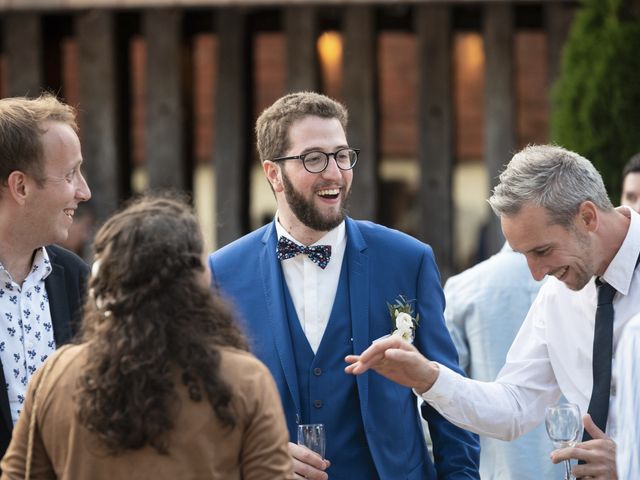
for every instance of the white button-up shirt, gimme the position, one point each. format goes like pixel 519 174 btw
pixel 312 289
pixel 26 331
pixel 627 404
pixel 552 354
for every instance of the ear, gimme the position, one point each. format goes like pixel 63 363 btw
pixel 17 186
pixel 274 175
pixel 588 216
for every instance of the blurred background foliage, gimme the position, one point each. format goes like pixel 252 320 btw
pixel 597 96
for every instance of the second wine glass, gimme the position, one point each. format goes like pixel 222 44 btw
pixel 312 436
pixel 564 427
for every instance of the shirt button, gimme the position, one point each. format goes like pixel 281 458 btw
pixel 317 371
pixel 317 403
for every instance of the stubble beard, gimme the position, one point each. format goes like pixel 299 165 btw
pixel 584 272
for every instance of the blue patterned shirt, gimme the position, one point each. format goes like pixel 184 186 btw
pixel 26 331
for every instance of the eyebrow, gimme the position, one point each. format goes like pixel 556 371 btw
pixel 318 149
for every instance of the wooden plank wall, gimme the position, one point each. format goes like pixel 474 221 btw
pixel 435 124
pixel 499 120
pixel 167 132
pixel 98 118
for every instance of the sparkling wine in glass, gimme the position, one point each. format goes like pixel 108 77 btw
pixel 312 436
pixel 564 427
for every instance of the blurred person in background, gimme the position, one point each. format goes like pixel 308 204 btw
pixel 41 285
pixel 161 384
pixel 627 402
pixel 486 306
pixel 631 183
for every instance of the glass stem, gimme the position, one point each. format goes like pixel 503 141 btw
pixel 567 465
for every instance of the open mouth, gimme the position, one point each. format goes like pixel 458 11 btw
pixel 69 212
pixel 329 193
pixel 560 274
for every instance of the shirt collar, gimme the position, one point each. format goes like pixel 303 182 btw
pixel 333 237
pixel 620 271
pixel 40 267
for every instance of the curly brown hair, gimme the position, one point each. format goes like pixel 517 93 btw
pixel 149 314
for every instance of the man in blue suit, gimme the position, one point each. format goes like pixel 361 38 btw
pixel 314 286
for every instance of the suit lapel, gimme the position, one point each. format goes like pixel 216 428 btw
pixel 4 404
pixel 58 301
pixel 273 284
pixel 358 263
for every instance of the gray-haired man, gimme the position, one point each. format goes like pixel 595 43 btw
pixel 555 210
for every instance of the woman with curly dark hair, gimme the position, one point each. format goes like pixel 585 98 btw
pixel 160 385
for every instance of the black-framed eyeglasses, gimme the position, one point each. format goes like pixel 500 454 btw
pixel 317 161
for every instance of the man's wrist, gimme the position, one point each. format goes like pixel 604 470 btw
pixel 433 370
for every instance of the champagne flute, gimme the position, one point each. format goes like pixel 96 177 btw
pixel 564 427
pixel 312 436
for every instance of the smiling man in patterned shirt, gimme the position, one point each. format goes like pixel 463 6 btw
pixel 41 285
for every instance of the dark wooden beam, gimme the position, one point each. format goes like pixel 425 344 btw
pixel 435 127
pixel 360 90
pixel 233 101
pixel 98 108
pixel 23 50
pixel 301 30
pixel 500 119
pixel 163 133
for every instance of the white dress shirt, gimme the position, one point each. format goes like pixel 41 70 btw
pixel 551 355
pixel 313 289
pixel 627 401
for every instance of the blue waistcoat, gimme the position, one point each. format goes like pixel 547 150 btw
pixel 332 399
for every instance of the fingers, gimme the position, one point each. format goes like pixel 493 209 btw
pixel 592 428
pixel 308 464
pixel 599 457
pixel 354 364
pixel 373 356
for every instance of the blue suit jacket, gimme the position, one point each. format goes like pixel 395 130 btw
pixel 382 264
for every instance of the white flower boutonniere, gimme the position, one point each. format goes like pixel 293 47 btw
pixel 404 323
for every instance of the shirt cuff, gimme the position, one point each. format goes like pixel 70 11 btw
pixel 442 389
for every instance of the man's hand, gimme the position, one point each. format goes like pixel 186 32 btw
pixel 598 454
pixel 397 360
pixel 308 464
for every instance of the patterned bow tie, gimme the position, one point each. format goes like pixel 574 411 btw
pixel 318 254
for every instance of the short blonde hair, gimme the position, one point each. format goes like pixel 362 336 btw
pixel 21 128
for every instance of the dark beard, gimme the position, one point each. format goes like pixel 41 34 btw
pixel 307 213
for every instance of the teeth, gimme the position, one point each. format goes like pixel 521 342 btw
pixel 333 191
pixel 561 273
pixel 69 212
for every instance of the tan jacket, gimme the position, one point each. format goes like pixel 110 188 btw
pixel 200 447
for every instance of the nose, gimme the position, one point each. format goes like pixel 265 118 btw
pixel 83 193
pixel 332 170
pixel 538 271
pixel 636 206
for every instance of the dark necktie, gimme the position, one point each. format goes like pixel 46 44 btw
pixel 602 352
pixel 318 254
